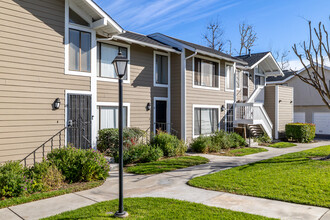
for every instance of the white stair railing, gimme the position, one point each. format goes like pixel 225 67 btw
pixel 253 113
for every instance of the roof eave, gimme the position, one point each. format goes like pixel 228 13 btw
pixel 220 57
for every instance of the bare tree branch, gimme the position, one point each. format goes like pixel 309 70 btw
pixel 214 35
pixel 248 37
pixel 315 53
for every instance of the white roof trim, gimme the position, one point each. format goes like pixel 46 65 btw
pixel 104 15
pixel 269 54
pixel 145 44
pixel 290 77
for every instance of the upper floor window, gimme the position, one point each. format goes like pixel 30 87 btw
pixel 161 69
pixel 74 18
pixel 230 80
pixel 79 50
pixel 259 80
pixel 106 54
pixel 206 73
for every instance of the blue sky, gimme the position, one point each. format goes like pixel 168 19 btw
pixel 278 23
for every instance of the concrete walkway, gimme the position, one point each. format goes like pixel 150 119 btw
pixel 173 185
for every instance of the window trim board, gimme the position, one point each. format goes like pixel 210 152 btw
pixel 155 84
pixel 193 71
pixel 203 106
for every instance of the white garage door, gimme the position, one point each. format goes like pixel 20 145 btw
pixel 299 117
pixel 322 122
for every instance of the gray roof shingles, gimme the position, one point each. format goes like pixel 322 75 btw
pixel 287 74
pixel 253 58
pixel 143 38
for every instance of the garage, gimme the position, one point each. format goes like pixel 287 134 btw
pixel 322 122
pixel 299 117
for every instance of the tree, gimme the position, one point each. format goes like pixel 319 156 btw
pixel 315 51
pixel 282 59
pixel 248 37
pixel 214 35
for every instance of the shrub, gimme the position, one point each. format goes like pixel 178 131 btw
pixel 170 144
pixel 236 140
pixel 46 176
pixel 202 144
pixel 221 140
pixel 13 181
pixel 140 154
pixel 263 139
pixel 79 165
pixel 301 132
pixel 108 139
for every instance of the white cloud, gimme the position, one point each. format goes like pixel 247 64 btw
pixel 297 65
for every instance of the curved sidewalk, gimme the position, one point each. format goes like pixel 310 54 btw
pixel 173 185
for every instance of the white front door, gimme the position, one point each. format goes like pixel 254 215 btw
pixel 322 122
pixel 299 117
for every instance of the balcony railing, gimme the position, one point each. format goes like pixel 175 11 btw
pixel 253 113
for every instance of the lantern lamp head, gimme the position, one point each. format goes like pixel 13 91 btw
pixel 148 107
pixel 223 108
pixel 120 64
pixel 56 104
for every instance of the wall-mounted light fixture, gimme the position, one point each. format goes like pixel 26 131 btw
pixel 56 104
pixel 223 108
pixel 291 102
pixel 148 107
pixel 280 101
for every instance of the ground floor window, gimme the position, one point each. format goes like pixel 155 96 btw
pixel 205 120
pixel 230 118
pixel 109 117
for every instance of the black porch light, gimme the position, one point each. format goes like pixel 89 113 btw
pixel 120 64
pixel 223 108
pixel 56 104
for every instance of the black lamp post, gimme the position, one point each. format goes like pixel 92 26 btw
pixel 120 64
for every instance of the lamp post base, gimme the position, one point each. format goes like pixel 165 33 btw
pixel 123 214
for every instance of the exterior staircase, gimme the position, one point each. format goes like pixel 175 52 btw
pixel 256 130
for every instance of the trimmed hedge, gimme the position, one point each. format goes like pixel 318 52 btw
pixel 170 144
pixel 300 132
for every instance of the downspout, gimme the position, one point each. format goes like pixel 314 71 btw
pixel 183 93
pixel 235 84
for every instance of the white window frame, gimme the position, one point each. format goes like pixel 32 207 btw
pixel 107 79
pixel 242 83
pixel 169 69
pixel 228 102
pixel 193 68
pixel 68 26
pixel 113 104
pixel 207 107
pixel 227 78
pixel 168 113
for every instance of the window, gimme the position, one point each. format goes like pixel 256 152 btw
pixel 230 118
pixel 205 120
pixel 106 54
pixel 109 117
pixel 74 18
pixel 259 80
pixel 206 73
pixel 161 69
pixel 79 51
pixel 230 77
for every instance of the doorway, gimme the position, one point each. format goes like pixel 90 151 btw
pixel 160 115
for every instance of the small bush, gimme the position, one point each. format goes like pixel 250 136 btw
pixel 170 144
pixel 202 144
pixel 79 165
pixel 140 154
pixel 46 176
pixel 300 132
pixel 263 139
pixel 108 139
pixel 236 140
pixel 13 180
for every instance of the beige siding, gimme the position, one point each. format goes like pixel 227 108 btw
pixel 269 104
pixel 204 97
pixel 32 75
pixel 139 92
pixel 176 93
pixel 285 108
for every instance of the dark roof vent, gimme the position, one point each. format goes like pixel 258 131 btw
pixel 249 52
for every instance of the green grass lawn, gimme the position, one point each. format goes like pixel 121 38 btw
pixel 293 177
pixel 244 151
pixel 154 208
pixel 44 195
pixel 282 145
pixel 166 165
